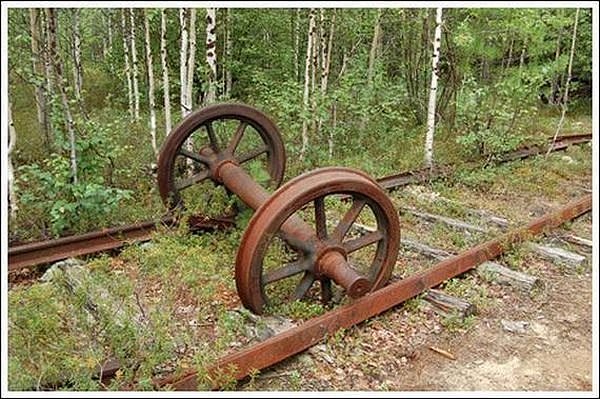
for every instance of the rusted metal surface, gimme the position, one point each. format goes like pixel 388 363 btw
pixel 36 253
pixel 426 174
pixel 205 120
pixel 297 339
pixel 318 256
pixel 321 255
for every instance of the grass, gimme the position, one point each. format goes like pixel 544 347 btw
pixel 176 298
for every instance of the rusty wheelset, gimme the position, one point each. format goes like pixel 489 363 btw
pixel 300 234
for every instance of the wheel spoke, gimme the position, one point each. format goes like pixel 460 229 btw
pixel 349 218
pixel 188 181
pixel 362 241
pixel 212 137
pixel 253 154
pixel 195 157
pixel 320 218
pixel 326 290
pixel 235 140
pixel 286 271
pixel 299 245
pixel 304 285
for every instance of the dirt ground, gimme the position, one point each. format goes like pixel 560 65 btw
pixel 391 352
pixel 551 351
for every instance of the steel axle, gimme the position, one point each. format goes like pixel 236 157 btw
pixel 330 260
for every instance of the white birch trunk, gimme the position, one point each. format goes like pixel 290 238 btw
pixel 322 43
pixel 77 67
pixel 211 54
pixel 127 65
pixel 165 70
pixel 297 45
pixel 48 76
pixel 12 139
pixel 566 95
pixel 433 89
pixel 191 63
pixel 134 61
pixel 305 98
pixel 228 47
pixel 149 67
pixel 38 71
pixel 183 61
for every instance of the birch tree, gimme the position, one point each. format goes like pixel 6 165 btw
pixel 191 63
pixel 77 66
pixel 297 45
pixel 165 70
pixel 433 89
pixel 127 66
pixel 327 55
pixel 134 62
pixel 57 69
pixel 211 54
pixel 565 98
pixel 38 73
pixel 305 98
pixel 150 70
pixel 12 138
pixel 228 48
pixel 183 61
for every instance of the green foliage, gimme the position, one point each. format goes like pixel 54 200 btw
pixel 47 189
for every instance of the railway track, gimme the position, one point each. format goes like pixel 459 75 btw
pixel 316 253
pixel 36 253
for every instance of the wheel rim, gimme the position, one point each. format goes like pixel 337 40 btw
pixel 244 126
pixel 313 193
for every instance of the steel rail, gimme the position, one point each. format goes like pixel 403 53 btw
pixel 35 253
pixel 277 348
pixel 426 174
pixel 39 252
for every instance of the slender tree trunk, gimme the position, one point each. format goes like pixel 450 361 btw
pixel 333 128
pixel 149 67
pixel 165 70
pixel 327 59
pixel 313 79
pixel 38 72
pixel 12 139
pixel 372 58
pixel 58 78
pixel 77 67
pixel 322 44
pixel 510 52
pixel 433 90
pixel 191 63
pixel 522 57
pixel 565 99
pixel 374 47
pixel 297 45
pixel 228 47
pixel 211 54
pixel 48 77
pixel 183 61
pixel 305 101
pixel 127 65
pixel 134 61
pixel 109 29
